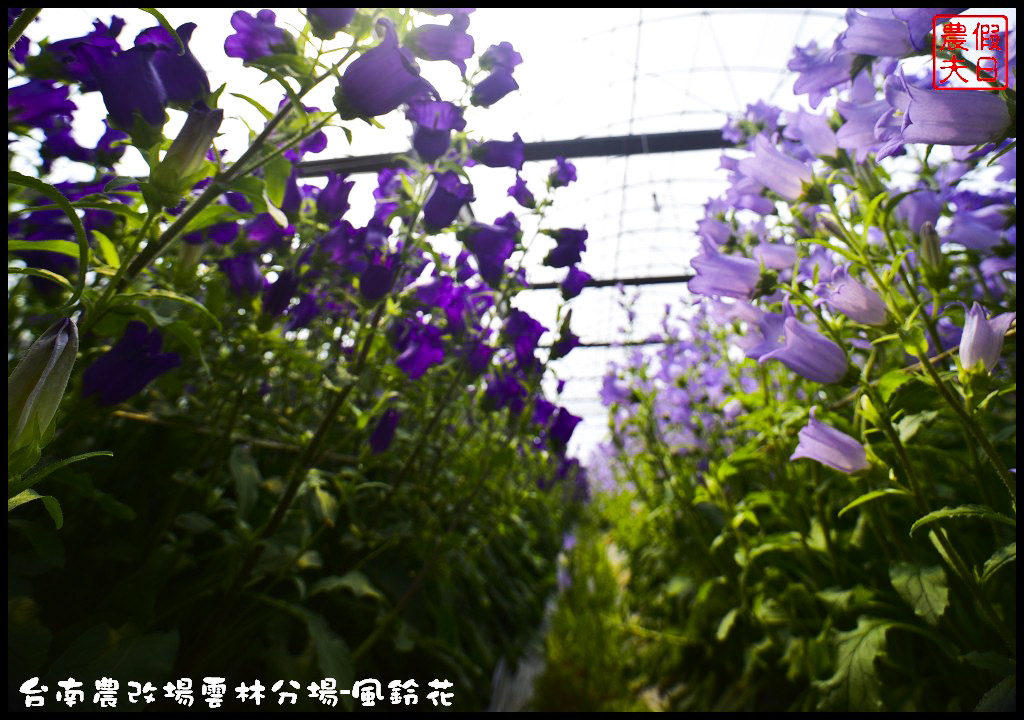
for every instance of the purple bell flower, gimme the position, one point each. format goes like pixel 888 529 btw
pixel 820 71
pixel 130 87
pixel 942 117
pixel 813 132
pixel 332 202
pixel 38 103
pixel 129 366
pixel 434 121
pixel 521 194
pixel 858 132
pixel 491 245
pixel 562 428
pixel 244 274
pixel 278 295
pixel 493 88
pixel 725 275
pixel 440 42
pixel 497 153
pixel 384 433
pixel 825 444
pixel 563 173
pixel 301 314
pixel 874 31
pixel 570 244
pixel 574 283
pixel 776 170
pixel 257 37
pixel 501 55
pixel 420 347
pixel 326 22
pixel 380 80
pixel 809 354
pixel 982 339
pixel 446 199
pixel 524 332
pixel 182 76
pixel 854 300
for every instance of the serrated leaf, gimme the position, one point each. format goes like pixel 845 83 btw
pixel 855 685
pixel 333 656
pixel 909 425
pixel 1000 558
pixel 873 495
pixel 168 295
pixel 922 587
pixel 960 513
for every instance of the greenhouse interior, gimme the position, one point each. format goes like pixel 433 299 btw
pixel 454 359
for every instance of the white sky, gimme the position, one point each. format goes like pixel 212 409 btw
pixel 585 73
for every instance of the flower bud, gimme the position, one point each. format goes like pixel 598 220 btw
pixel 185 162
pixel 982 339
pixel 35 388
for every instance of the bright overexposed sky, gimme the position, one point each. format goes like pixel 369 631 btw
pixel 585 73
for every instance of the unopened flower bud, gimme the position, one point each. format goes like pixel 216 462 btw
pixel 185 162
pixel 35 388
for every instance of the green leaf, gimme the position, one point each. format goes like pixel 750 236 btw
pixel 39 272
pixel 211 215
pixel 892 381
pixel 333 656
pixel 128 298
pixel 873 495
pixel 58 246
pixel 923 588
pixel 247 478
pixel 107 249
pixel 83 242
pixel 50 502
pixel 726 624
pixel 18 486
pixel 266 113
pixel 961 512
pixel 1000 558
pixel 913 340
pixel 855 686
pixel 276 174
pixel 1001 698
pixel 910 424
pixel 355 582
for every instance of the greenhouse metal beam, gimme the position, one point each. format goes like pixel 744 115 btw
pixel 651 280
pixel 618 145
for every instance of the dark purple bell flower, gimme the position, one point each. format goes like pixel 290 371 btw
pixel 278 295
pixel 500 56
pixel 542 411
pixel 566 342
pixel 478 357
pixel 326 22
pixel 384 433
pixel 238 201
pixel 574 282
pixel 435 119
pixel 60 144
pixel 380 80
pixel 257 37
pixel 223 233
pixel 421 349
pixel 563 173
pixel 129 366
pixel 302 313
pixel 106 152
pixel 183 78
pixel 129 84
pixel 521 194
pixel 523 332
pixel 244 274
pixel 446 199
pixel 377 280
pixel 498 153
pixel 570 244
pixel 491 245
pixel 264 231
pixel 493 88
pixel 332 202
pixel 38 103
pixel 505 390
pixel 61 53
pixel 562 428
pixel 439 42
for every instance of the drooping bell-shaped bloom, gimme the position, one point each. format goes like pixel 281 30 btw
pixel 874 31
pixel 182 76
pixel 858 302
pixel 562 427
pixel 813 132
pixel 502 55
pixel 570 243
pixel 440 42
pixel 37 385
pixel 38 103
pixel 523 332
pixel 491 245
pixel 563 173
pixel 332 202
pixel 326 22
pixel 498 153
pixel 774 255
pixel 574 282
pixel 302 313
pixel 446 199
pixel 858 132
pixel 186 158
pixel 521 194
pixel 809 354
pixel 493 88
pixel 384 433
pixel 377 279
pixel 982 339
pixel 257 37
pixel 278 295
pixel 129 366
pixel 825 444
pixel 724 275
pixel 419 344
pixel 964 117
pixel 380 80
pixel 435 120
pixel 244 275
pixel 130 87
pixel 820 70
pixel 776 170
pixel 62 54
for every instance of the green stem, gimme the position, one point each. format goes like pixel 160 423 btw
pixel 20 24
